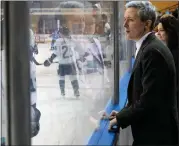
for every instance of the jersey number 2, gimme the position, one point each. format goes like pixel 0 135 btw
pixel 67 52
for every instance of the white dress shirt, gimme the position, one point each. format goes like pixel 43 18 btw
pixel 139 43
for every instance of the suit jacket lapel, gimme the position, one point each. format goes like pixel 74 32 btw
pixel 149 38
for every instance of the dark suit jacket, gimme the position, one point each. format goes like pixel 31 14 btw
pixel 175 53
pixel 151 109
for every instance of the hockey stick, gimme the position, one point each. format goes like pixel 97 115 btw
pixel 36 62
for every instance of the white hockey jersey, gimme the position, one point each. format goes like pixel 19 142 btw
pixel 66 48
pixel 33 85
pixel 31 38
pixel 32 72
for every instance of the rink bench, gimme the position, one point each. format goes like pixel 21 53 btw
pixel 102 136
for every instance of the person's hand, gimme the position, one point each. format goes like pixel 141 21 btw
pixel 113 114
pixel 105 116
pixel 112 123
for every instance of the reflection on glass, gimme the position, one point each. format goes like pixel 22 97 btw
pixel 73 71
pixel 123 52
pixel 3 101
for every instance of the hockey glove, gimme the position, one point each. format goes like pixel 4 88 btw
pixel 47 63
pixel 50 60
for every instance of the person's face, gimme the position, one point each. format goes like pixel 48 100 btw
pixel 162 33
pixel 76 22
pixel 89 24
pixel 134 27
pixel 158 36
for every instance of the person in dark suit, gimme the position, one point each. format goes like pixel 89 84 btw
pixel 168 32
pixel 151 109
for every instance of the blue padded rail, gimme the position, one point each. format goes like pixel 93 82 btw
pixel 102 136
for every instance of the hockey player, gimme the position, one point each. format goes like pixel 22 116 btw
pixel 32 70
pixel 65 48
pixel 35 113
pixel 33 48
pixel 55 35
